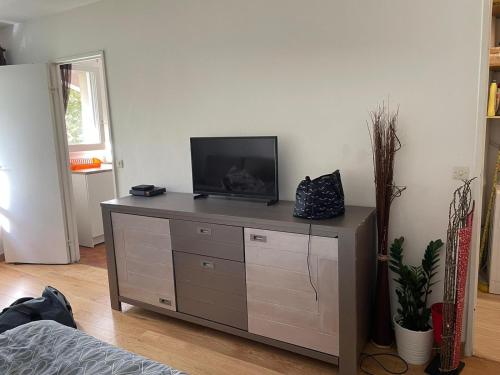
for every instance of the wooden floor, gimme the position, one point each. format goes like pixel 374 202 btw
pixel 487 339
pixel 95 257
pixel 194 349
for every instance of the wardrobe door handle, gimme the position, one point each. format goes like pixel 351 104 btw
pixel 258 238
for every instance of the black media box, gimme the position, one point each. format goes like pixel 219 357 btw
pixel 147 190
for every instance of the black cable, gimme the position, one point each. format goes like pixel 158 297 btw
pixel 365 356
pixel 308 263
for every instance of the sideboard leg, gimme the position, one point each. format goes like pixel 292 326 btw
pixel 348 367
pixel 111 260
pixel 116 304
pixel 357 255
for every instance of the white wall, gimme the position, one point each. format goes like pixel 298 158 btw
pixel 306 71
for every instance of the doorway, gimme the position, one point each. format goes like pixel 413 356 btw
pixel 89 147
pixel 484 288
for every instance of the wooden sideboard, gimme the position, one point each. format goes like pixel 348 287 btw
pixel 247 269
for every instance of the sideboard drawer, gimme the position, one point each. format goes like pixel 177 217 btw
pixel 273 240
pixel 219 241
pixel 211 288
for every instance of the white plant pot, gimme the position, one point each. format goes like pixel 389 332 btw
pixel 414 347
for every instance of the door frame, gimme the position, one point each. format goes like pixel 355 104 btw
pixel 478 171
pixel 83 57
pixel 71 216
pixel 62 157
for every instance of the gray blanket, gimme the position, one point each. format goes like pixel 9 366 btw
pixel 48 348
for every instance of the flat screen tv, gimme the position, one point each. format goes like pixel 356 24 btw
pixel 235 166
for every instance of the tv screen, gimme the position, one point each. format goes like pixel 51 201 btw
pixel 235 166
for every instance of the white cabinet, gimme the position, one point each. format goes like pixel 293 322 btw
pixel 89 190
pixel 144 264
pixel 282 303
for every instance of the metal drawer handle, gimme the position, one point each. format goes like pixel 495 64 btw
pixel 258 238
pixel 206 231
pixel 208 265
pixel 165 301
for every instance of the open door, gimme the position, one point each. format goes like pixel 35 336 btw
pixel 33 184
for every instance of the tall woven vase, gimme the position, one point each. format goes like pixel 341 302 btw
pixel 382 329
pixel 458 245
pixel 385 144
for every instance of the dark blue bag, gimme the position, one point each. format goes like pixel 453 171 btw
pixel 51 306
pixel 321 198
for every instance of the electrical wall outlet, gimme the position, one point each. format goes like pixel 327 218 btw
pixel 120 164
pixel 460 173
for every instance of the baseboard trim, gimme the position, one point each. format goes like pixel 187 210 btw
pixel 98 239
pixel 2 257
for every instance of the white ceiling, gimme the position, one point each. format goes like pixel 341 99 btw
pixel 16 11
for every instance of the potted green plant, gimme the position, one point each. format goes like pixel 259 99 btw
pixel 414 334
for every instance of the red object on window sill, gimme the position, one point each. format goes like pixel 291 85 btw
pixel 78 164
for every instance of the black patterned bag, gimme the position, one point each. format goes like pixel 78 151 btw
pixel 321 198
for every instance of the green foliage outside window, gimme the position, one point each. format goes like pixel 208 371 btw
pixel 74 118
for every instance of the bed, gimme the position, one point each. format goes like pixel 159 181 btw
pixel 49 348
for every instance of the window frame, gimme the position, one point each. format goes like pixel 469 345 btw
pixel 81 66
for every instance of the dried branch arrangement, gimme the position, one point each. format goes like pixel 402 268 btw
pixel 458 240
pixel 385 144
pixel 457 255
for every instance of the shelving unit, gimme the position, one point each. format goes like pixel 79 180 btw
pixel 495 67
pixel 496 9
pixel 495 39
pixel 492 146
pixel 494 58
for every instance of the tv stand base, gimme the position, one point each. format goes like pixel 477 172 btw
pixel 203 196
pixel 200 196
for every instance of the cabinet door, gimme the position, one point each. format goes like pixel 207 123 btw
pixel 81 201
pixel 281 301
pixel 144 259
pixel 100 188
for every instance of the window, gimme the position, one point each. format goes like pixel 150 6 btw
pixel 84 125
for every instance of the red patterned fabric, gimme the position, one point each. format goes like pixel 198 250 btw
pixel 464 240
